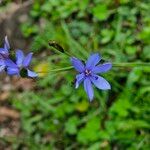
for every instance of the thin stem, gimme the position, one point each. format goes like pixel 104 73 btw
pixel 62 69
pixel 128 64
pixel 139 64
pixel 57 70
pixel 57 47
pixel 68 54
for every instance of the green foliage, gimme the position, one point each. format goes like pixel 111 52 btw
pixel 71 125
pixel 90 132
pixel 100 12
pixel 55 115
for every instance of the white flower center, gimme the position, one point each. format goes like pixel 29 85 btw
pixel 87 72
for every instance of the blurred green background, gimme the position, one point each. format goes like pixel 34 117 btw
pixel 53 115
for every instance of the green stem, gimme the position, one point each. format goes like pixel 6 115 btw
pixel 139 64
pixel 57 70
pixel 127 64
pixel 62 69
pixel 57 47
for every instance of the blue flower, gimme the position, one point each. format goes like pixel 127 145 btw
pixel 4 54
pixel 88 74
pixel 21 66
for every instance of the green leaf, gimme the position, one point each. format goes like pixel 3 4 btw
pixel 82 106
pixel 71 125
pixel 95 146
pixel 131 50
pixel 132 124
pixel 106 35
pixel 100 12
pixel 120 107
pixel 144 35
pixel 90 132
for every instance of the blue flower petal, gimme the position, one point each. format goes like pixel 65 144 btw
pixel 77 64
pixel 2 65
pixel 79 79
pixel 19 58
pixel 2 50
pixel 12 71
pixel 2 62
pixel 100 82
pixel 27 60
pixel 92 61
pixel 10 63
pixel 102 68
pixel 2 68
pixel 32 74
pixel 88 88
pixel 3 53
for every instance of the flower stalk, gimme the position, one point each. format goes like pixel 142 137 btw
pixel 132 64
pixel 58 48
pixel 139 64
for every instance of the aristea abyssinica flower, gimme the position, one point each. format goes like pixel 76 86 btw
pixel 88 74
pixel 4 54
pixel 21 66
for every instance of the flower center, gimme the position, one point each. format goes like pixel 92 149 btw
pixel 87 72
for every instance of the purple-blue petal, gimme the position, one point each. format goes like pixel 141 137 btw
pixel 32 74
pixel 2 50
pixel 19 58
pixel 27 60
pixel 2 62
pixel 12 71
pixel 79 79
pixel 6 44
pixel 2 68
pixel 92 61
pixel 100 82
pixel 77 64
pixel 88 88
pixel 3 53
pixel 2 65
pixel 102 68
pixel 10 63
